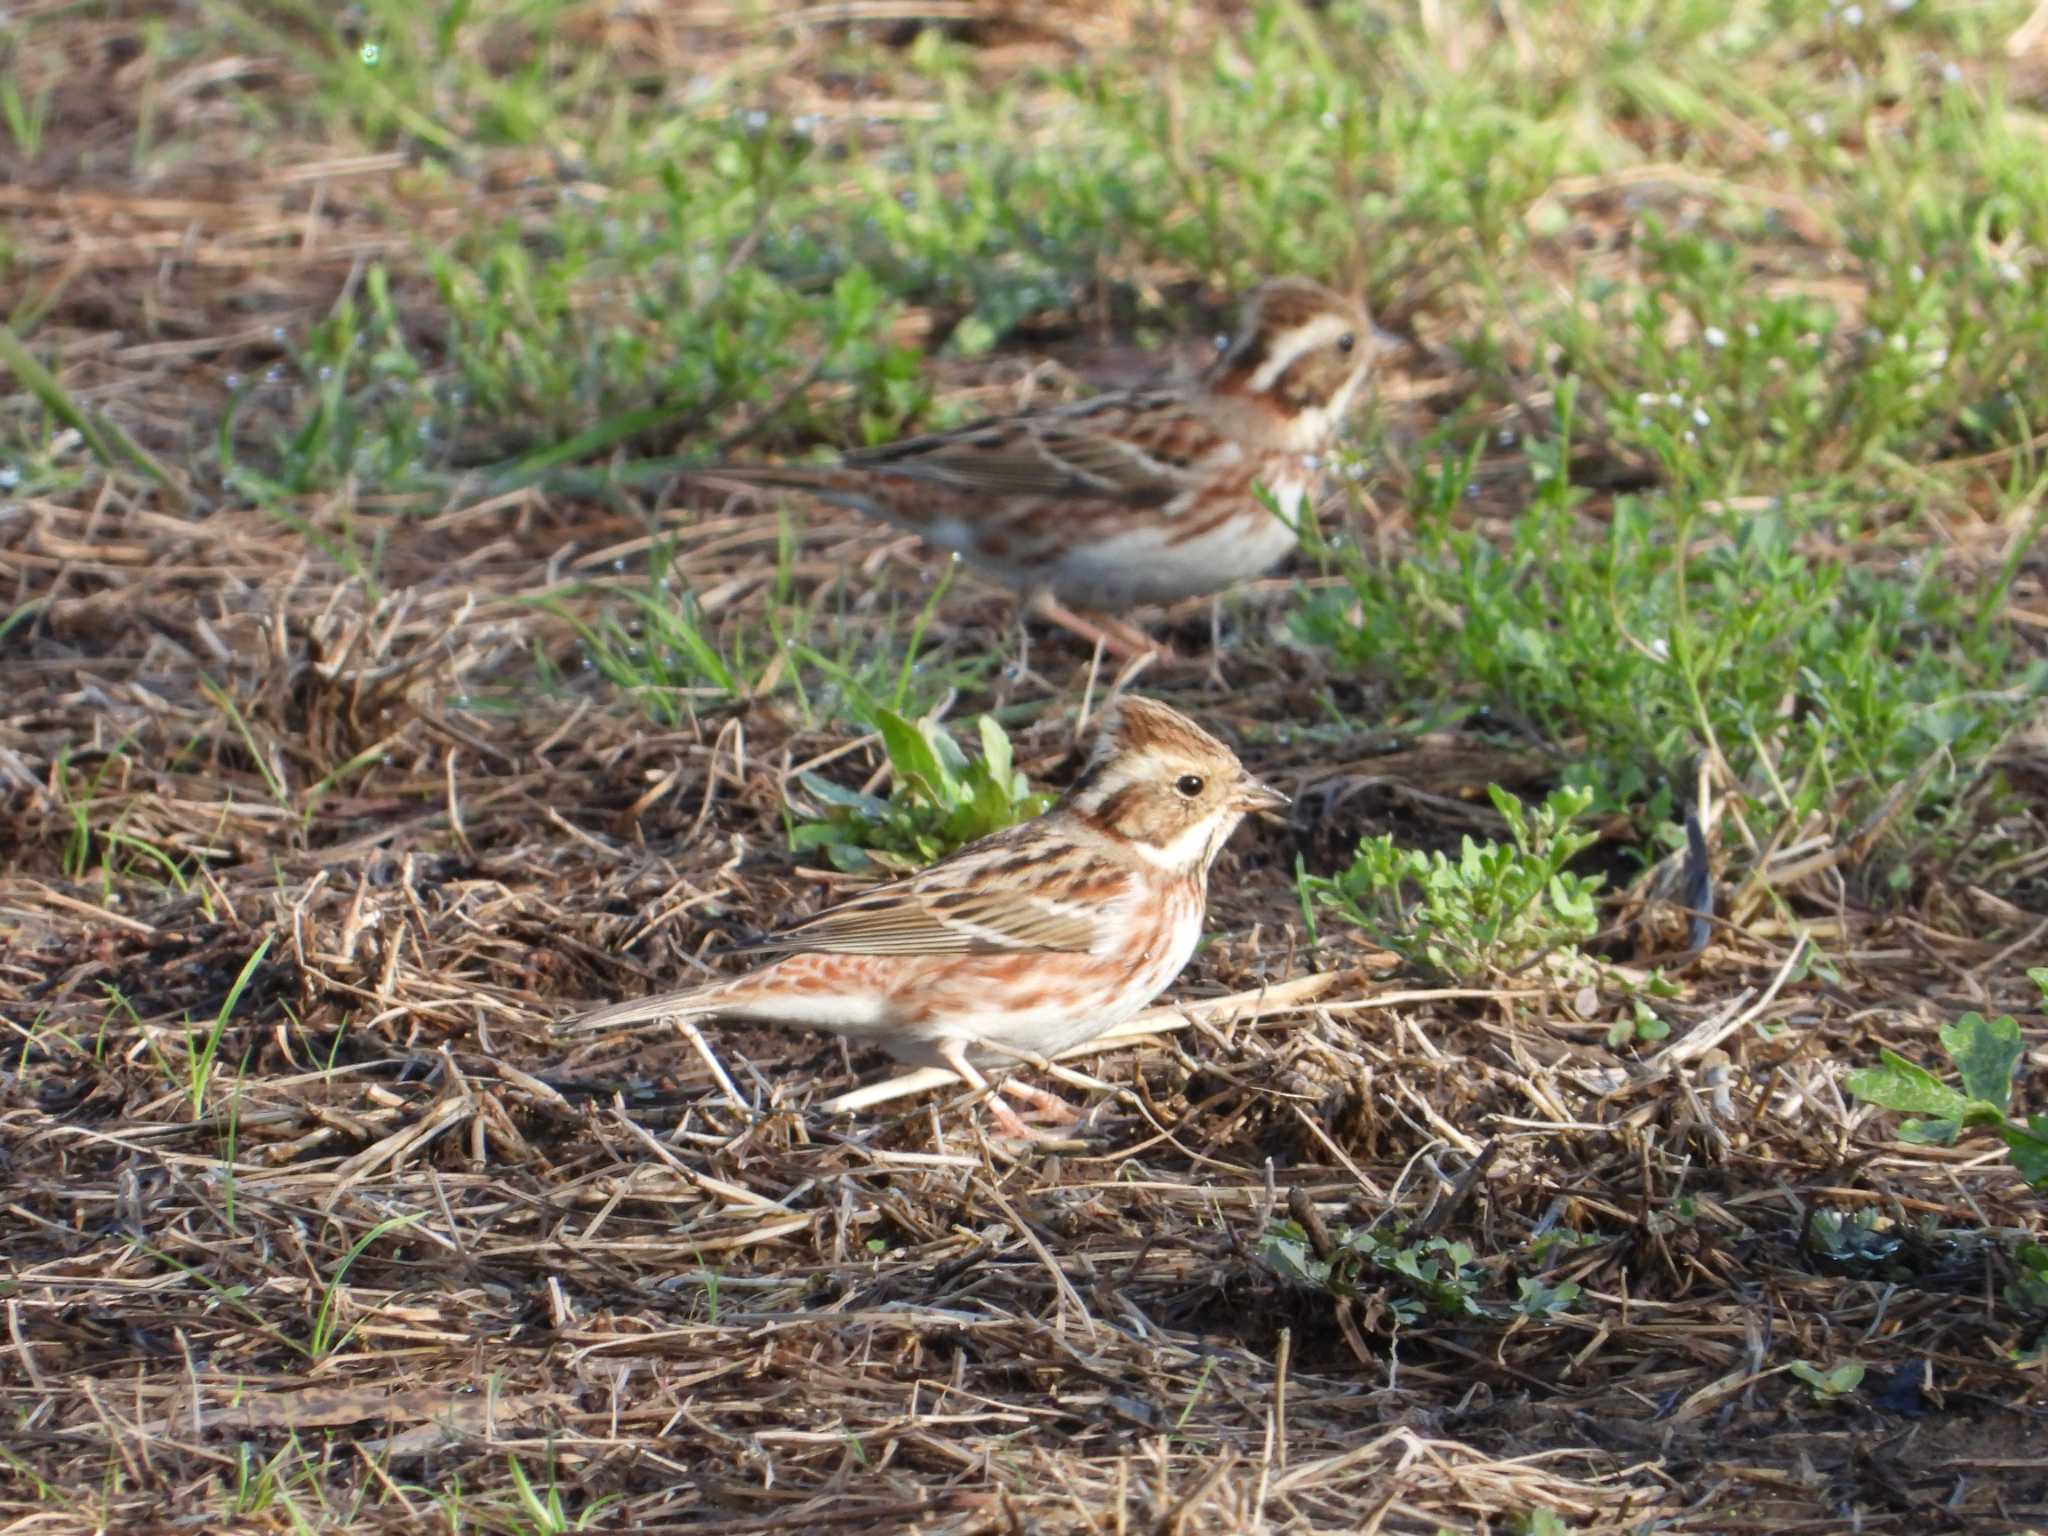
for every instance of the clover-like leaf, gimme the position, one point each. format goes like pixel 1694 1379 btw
pixel 1897 1083
pixel 1985 1051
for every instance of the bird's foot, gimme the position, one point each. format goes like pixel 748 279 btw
pixel 1047 1108
pixel 954 1054
pixel 1015 1127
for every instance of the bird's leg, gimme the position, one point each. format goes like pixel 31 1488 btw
pixel 1020 670
pixel 1112 634
pixel 954 1054
pixel 1217 684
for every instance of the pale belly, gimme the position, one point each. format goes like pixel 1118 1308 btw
pixel 1001 1034
pixel 1147 563
pixel 1005 1007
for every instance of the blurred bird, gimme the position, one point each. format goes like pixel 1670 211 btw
pixel 1142 496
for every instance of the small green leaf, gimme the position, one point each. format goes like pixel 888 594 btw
pixel 828 793
pixel 1539 1300
pixel 946 752
pixel 1899 1084
pixel 1985 1051
pixel 1929 1133
pixel 910 752
pixel 1511 812
pixel 1286 1251
pixel 1830 1383
pixel 849 859
pixel 807 835
pixel 995 752
pixel 2029 1147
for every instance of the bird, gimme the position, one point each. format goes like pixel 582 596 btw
pixel 1021 944
pixel 1128 498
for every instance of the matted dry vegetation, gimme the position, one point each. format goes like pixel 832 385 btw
pixel 382 1252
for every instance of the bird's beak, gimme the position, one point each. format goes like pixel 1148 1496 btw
pixel 1253 796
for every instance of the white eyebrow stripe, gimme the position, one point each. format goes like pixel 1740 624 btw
pixel 1323 328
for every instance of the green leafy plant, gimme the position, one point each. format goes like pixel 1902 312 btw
pixel 1535 1299
pixel 2028 1289
pixel 940 799
pixel 1678 627
pixel 1858 1238
pixel 1434 1276
pixel 1985 1053
pixel 1494 908
pixel 1640 1025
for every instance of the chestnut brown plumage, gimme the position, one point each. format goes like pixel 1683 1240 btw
pixel 1024 943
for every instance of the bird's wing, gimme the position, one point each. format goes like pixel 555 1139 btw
pixel 956 908
pixel 1134 449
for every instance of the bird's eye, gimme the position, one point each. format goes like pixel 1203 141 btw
pixel 1346 342
pixel 1189 784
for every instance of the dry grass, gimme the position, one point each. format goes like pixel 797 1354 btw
pixel 383 1252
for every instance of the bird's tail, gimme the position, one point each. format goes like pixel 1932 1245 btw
pixel 794 477
pixel 639 1010
pixel 828 482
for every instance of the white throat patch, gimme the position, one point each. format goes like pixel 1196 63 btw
pixel 1194 848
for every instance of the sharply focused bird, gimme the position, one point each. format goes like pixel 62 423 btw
pixel 1024 943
